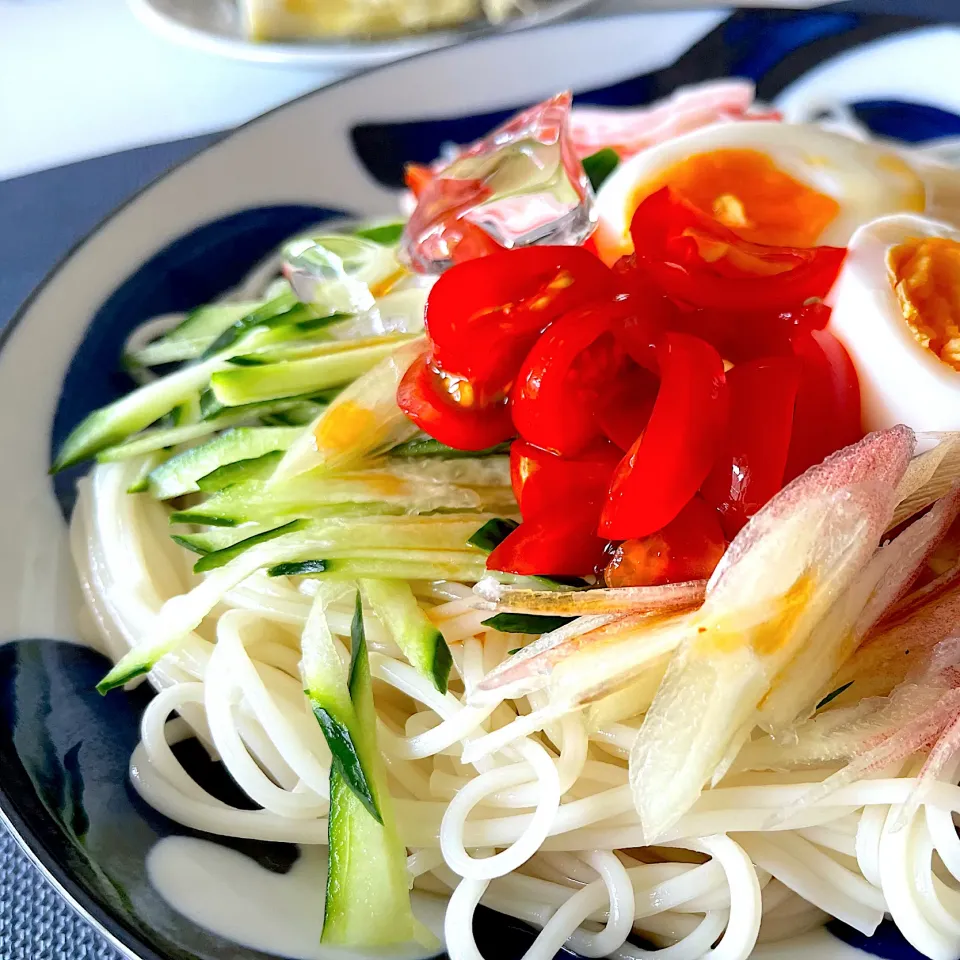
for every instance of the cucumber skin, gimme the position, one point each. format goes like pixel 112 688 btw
pixel 181 473
pixel 367 896
pixel 421 642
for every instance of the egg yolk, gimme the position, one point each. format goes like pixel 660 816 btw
pixel 925 274
pixel 748 193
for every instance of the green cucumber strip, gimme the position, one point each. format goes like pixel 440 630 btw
pixel 203 519
pixel 525 623
pixel 208 541
pixel 307 349
pixel 279 320
pixel 421 642
pixel 111 424
pixel 180 474
pixel 376 566
pixel 598 166
pixel 367 895
pixel 253 468
pixel 326 686
pixel 204 516
pixel 296 377
pixel 312 494
pixel 301 568
pixel 297 415
pixel 182 614
pixel 387 234
pixel 428 447
pixel 129 668
pixel 492 534
pixel 141 483
pixel 220 558
pixel 160 439
pixel 190 338
pixel 212 410
pixel 280 305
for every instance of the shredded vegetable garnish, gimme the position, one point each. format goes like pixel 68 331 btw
pixel 604 589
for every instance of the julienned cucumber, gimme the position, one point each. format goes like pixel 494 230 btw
pixel 421 642
pixel 219 538
pixel 117 421
pixel 283 311
pixel 525 623
pixel 399 565
pixel 220 558
pixel 325 681
pixel 253 468
pixel 190 338
pixel 295 377
pixel 179 475
pixel 304 408
pixel 428 447
pixel 367 897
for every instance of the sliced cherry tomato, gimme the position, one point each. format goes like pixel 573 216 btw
pixel 555 396
pixel 696 260
pixel 560 546
pixel 827 412
pixel 749 468
pixel 545 484
pixel 425 396
pixel 666 465
pixel 743 336
pixel 483 316
pixel 687 548
pixel 624 408
pixel 416 176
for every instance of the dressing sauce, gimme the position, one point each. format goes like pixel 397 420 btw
pixel 232 896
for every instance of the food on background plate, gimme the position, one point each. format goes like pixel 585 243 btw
pixel 585 546
pixel 310 19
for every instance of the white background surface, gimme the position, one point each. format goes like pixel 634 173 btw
pixel 82 78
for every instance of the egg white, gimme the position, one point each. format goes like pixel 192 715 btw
pixel 868 179
pixel 901 381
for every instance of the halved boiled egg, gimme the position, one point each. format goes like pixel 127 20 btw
pixel 896 308
pixel 776 183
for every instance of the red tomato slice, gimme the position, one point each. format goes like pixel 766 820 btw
pixel 698 261
pixel 749 468
pixel 484 315
pixel 687 548
pixel 417 176
pixel 666 465
pixel 744 336
pixel 623 410
pixel 566 372
pixel 827 413
pixel 545 484
pixel 424 397
pixel 559 546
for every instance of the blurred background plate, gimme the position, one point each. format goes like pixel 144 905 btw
pixel 216 26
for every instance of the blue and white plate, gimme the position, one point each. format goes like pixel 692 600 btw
pixel 63 749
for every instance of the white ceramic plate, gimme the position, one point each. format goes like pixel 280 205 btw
pixel 215 26
pixel 193 233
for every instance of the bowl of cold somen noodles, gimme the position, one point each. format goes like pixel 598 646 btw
pixel 581 545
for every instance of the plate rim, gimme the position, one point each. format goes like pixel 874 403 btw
pixel 366 54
